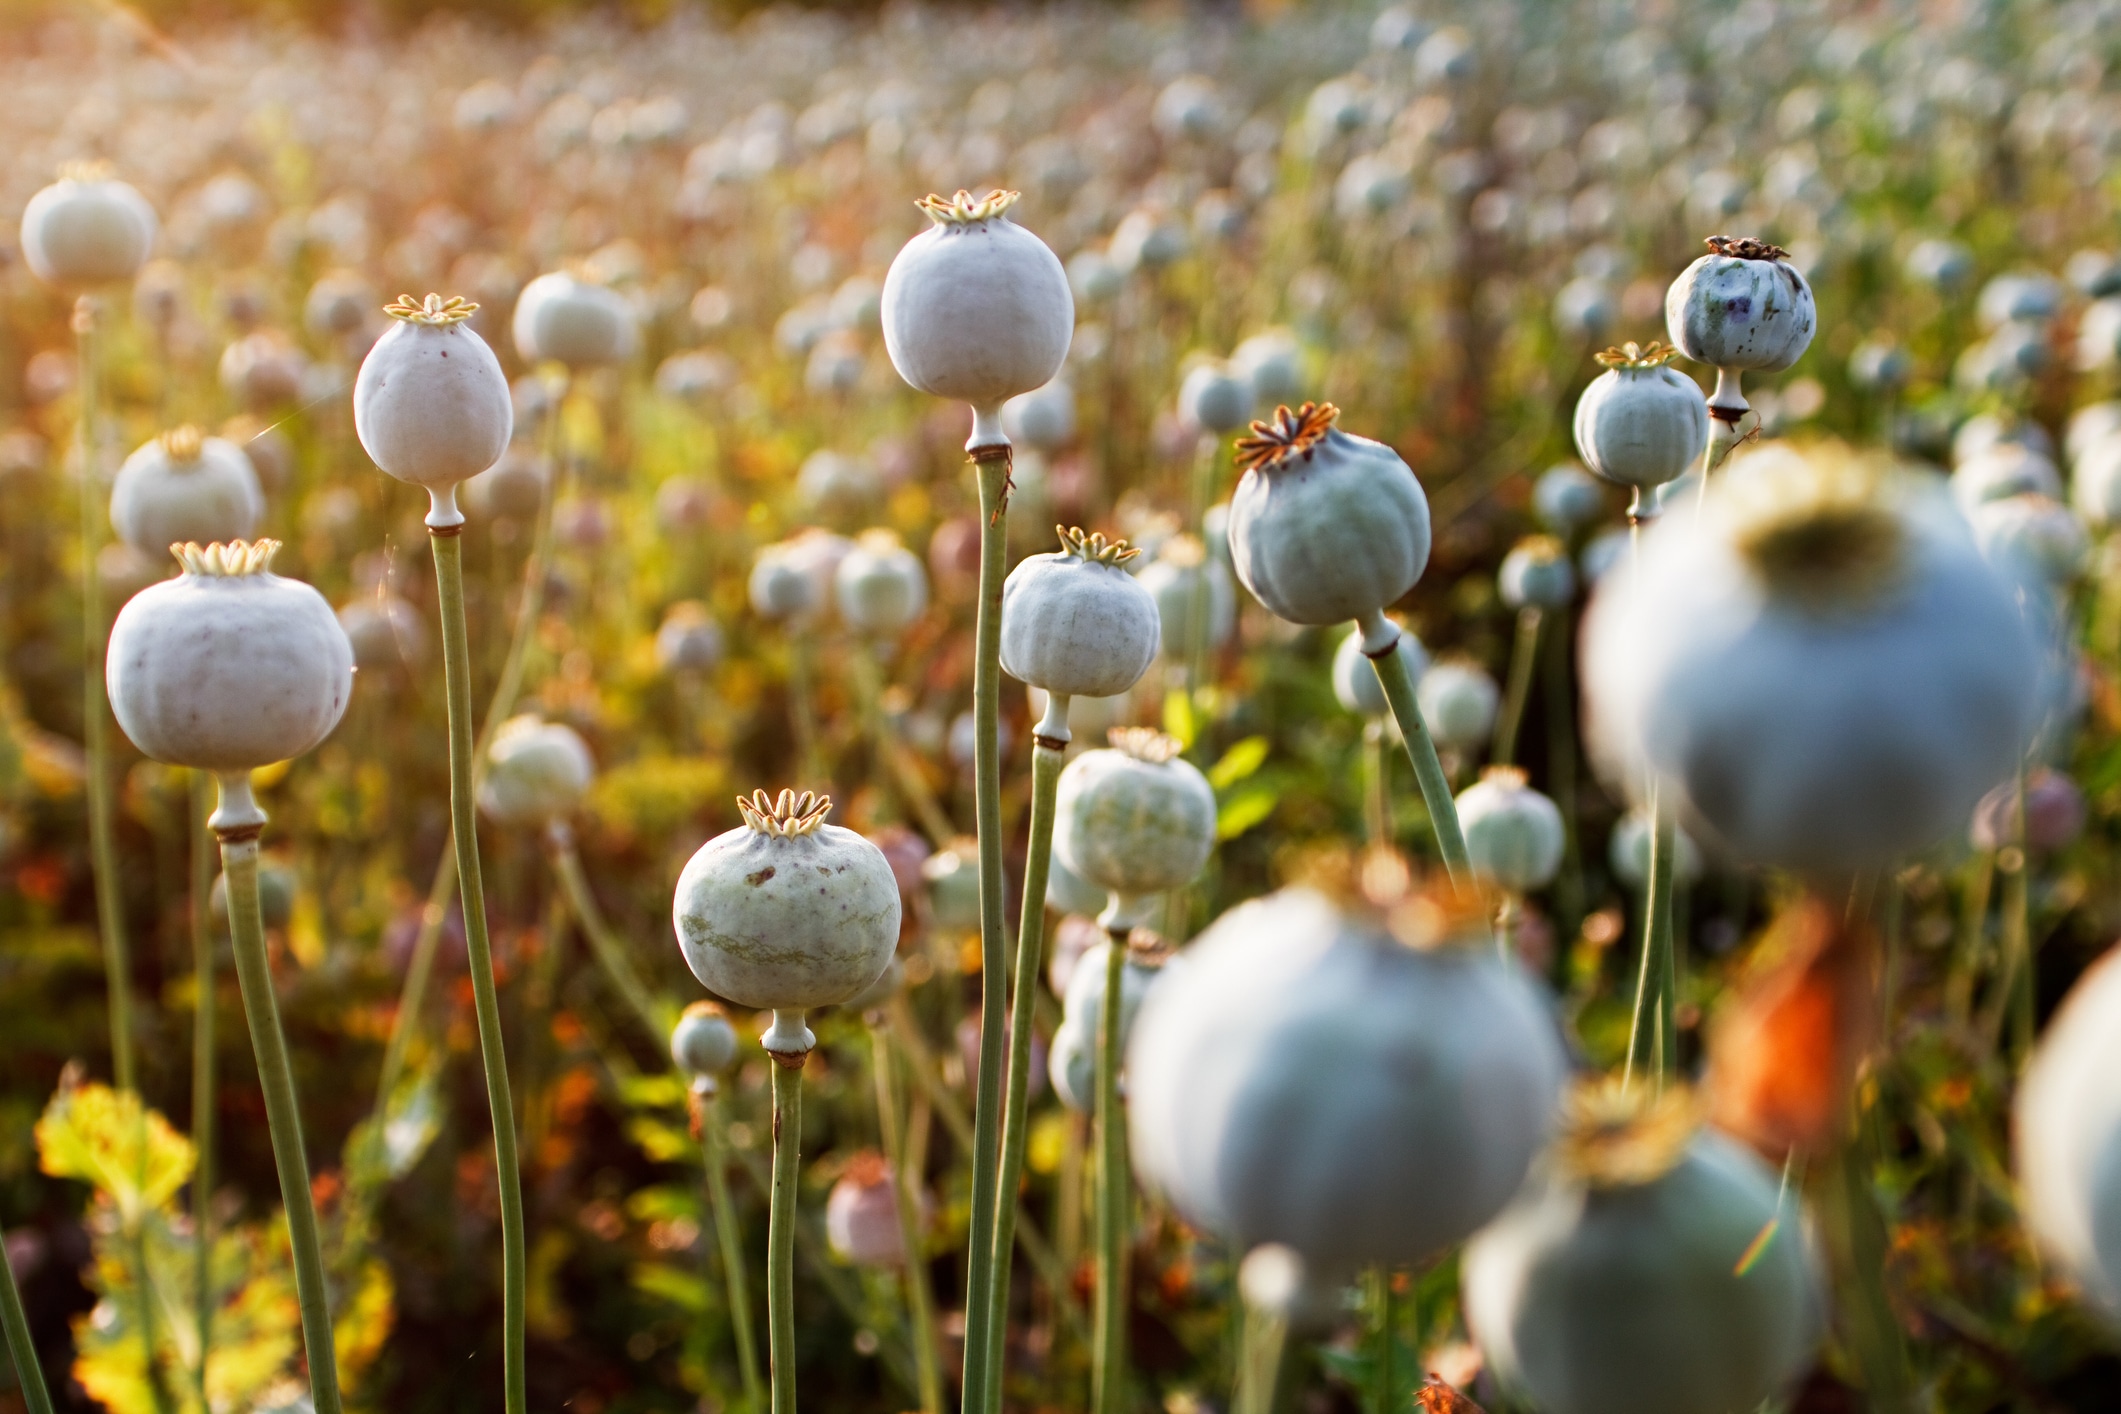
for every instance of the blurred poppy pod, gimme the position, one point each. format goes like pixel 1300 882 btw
pixel 2067 1136
pixel 87 229
pixel 861 1214
pixel 1785 1049
pixel 185 486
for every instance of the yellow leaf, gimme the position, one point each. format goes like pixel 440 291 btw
pixel 107 1139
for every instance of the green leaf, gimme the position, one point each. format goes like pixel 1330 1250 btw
pixel 1238 762
pixel 664 1143
pixel 1244 808
pixel 686 1290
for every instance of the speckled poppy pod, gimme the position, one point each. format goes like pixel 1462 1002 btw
pixel 977 309
pixel 1650 1267
pixel 787 912
pixel 1134 818
pixel 2067 1137
pixel 1075 622
pixel 431 404
pixel 185 486
pixel 228 667
pixel 1741 308
pixel 1325 526
pixel 87 229
pixel 1819 665
pixel 1641 423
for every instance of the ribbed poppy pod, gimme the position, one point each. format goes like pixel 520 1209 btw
pixel 881 586
pixel 1537 574
pixel 976 308
pixel 561 319
pixel 1567 500
pixel 2066 1137
pixel 688 640
pixel 1641 423
pixel 1134 818
pixel 228 667
pixel 1074 622
pixel 1073 1057
pixel 1215 398
pixel 1042 419
pixel 785 911
pixel 385 632
pixel 87 229
pixel 861 1214
pixel 1459 701
pixel 431 404
pixel 1362 1087
pixel 1355 681
pixel 1742 306
pixel 1819 666
pixel 1514 834
pixel 1182 572
pixel 703 1044
pixel 2004 469
pixel 1325 526
pixel 185 486
pixel 1650 1267
pixel 536 772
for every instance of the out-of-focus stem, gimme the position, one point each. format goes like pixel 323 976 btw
pixel 1207 459
pixel 1376 803
pixel 656 1016
pixel 906 1187
pixel 1561 785
pixel 1380 643
pixel 1382 1374
pixel 206 985
pixel 1650 1039
pixel 707 1109
pixel 1266 1334
pixel 1108 1356
pixel 802 707
pixel 1524 654
pixel 14 1320
pixel 891 751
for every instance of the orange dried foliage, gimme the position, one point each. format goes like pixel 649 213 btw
pixel 1436 1397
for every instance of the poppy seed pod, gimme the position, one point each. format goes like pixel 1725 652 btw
pixel 1133 818
pixel 536 772
pixel 1641 423
pixel 836 486
pixel 1567 499
pixel 1215 398
pixel 1182 571
pixel 431 404
pixel 2088 426
pixel 1536 574
pixel 87 229
pixel 703 1044
pixel 2066 1131
pixel 1514 834
pixel 1302 1075
pixel 561 319
pixel 2031 538
pixel 861 1214
pixel 1325 526
pixel 1819 665
pixel 185 486
pixel 780 591
pixel 882 587
pixel 2004 469
pixel 1459 701
pixel 228 667
pixel 1355 681
pixel 1273 361
pixel 1741 306
pixel 1073 1058
pixel 1652 1267
pixel 1074 622
pixel 1628 851
pixel 2095 482
pixel 1042 419
pixel 385 632
pixel 785 911
pixel 976 308
pixel 689 640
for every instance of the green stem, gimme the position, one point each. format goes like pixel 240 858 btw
pixel 1381 1372
pixel 656 1016
pixel 802 708
pixel 95 709
pixel 1049 744
pixel 238 822
pixel 1561 783
pixel 1108 1358
pixel 15 1320
pixel 206 984
pixel 732 1244
pixel 992 468
pixel 906 1186
pixel 1376 801
pixel 913 786
pixel 1524 654
pixel 780 1230
pixel 1381 640
pixel 448 547
pixel 1266 1335
pixel 1206 461
pixel 1650 1038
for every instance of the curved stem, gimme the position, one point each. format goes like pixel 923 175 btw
pixel 283 1114
pixel 906 1186
pixel 447 542
pixel 206 985
pixel 1524 654
pixel 1108 1357
pixel 14 1320
pixel 780 1230
pixel 732 1244
pixel 656 1016
pixel 992 468
pixel 1396 673
pixel 1047 757
pixel 95 710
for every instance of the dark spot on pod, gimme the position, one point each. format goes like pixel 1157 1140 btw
pixel 759 878
pixel 1742 306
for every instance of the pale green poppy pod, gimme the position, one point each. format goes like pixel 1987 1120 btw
pixel 1514 834
pixel 881 586
pixel 1355 680
pixel 1134 818
pixel 1641 423
pixel 1075 622
pixel 703 1044
pixel 1182 572
pixel 567 320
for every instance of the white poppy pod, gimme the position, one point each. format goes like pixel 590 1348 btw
pixel 431 404
pixel 1182 572
pixel 1631 1275
pixel 562 319
pixel 1459 701
pixel 976 308
pixel 2095 481
pixel 2004 469
pixel 340 303
pixel 881 586
pixel 228 667
pixel 185 486
pixel 786 911
pixel 1273 360
pixel 2066 1136
pixel 1325 526
pixel 1743 306
pixel 1215 398
pixel 1075 622
pixel 689 640
pixel 2031 538
pixel 536 772
pixel 1628 851
pixel 1819 666
pixel 1944 265
pixel 1567 499
pixel 817 553
pixel 780 591
pixel 1355 680
pixel 1073 1059
pixel 1641 423
pixel 1133 818
pixel 1303 1076
pixel 1042 419
pixel 835 486
pixel 2020 296
pixel 86 230
pixel 1985 430
pixel 861 1214
pixel 1068 892
pixel 703 1044
pixel 2099 336
pixel 385 632
pixel 1514 834
pixel 2088 426
pixel 1537 574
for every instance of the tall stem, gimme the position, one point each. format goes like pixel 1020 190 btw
pixel 1207 460
pixel 1650 1039
pixel 1382 1373
pixel 1380 643
pixel 1108 1356
pixel 238 822
pixel 1524 654
pixel 991 465
pixel 1048 748
pixel 654 1014
pixel 781 1220
pixel 1376 801
pixel 803 709
pixel 95 709
pixel 206 985
pixel 14 1320
pixel 906 1187
pixel 1266 1335
pixel 709 1109
pixel 1561 785
pixel 891 752
pixel 448 546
